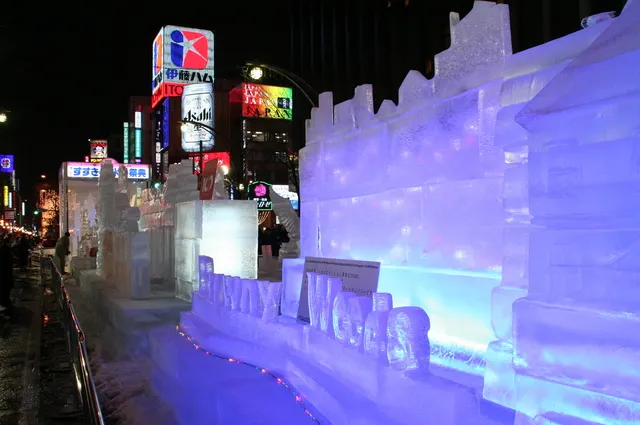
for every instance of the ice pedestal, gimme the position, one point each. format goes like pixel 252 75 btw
pixel 223 230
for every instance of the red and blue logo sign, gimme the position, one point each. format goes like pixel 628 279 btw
pixel 189 49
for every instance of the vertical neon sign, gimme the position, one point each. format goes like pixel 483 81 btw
pixel 125 143
pixel 138 135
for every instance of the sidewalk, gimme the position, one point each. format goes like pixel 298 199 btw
pixel 19 352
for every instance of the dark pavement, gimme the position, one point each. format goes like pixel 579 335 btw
pixel 19 350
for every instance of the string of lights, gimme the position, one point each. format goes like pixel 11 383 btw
pixel 298 398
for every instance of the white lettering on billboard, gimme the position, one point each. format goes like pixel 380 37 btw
pixel 197 108
pixel 83 170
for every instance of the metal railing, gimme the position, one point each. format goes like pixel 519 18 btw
pixel 87 394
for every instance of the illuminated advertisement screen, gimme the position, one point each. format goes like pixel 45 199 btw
pixel 223 159
pixel 6 163
pixel 125 142
pixel 197 108
pixel 180 57
pixel 259 191
pixel 260 101
pixel 98 150
pixel 83 170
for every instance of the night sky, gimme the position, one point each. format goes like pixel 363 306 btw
pixel 66 74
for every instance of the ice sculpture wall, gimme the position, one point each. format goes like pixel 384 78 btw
pixel 526 73
pixel 575 335
pixel 418 186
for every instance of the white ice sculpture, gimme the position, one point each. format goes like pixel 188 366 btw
pixel 427 175
pixel 341 321
pixel 107 218
pixel 291 222
pixel 315 283
pixel 270 293
pixel 375 328
pixel 123 180
pixel 250 297
pixel 408 343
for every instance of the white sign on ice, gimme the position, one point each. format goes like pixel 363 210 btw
pixel 359 277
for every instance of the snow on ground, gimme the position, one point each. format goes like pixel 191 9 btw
pixel 123 385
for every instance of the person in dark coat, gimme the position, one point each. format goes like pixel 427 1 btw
pixel 6 273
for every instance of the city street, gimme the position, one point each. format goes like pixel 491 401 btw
pixel 37 383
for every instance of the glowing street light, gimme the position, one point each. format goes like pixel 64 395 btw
pixel 3 117
pixel 42 176
pixel 256 73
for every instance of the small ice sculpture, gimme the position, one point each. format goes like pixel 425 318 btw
pixel 314 284
pixel 408 347
pixel 107 218
pixel 359 309
pixel 249 297
pixel 333 288
pixel 270 295
pixel 375 328
pixel 341 322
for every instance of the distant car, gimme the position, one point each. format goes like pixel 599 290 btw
pixel 49 243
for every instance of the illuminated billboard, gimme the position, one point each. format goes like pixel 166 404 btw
pixel 197 108
pixel 97 150
pixel 223 159
pixel 260 101
pixel 125 143
pixel 83 170
pixel 180 56
pixel 6 163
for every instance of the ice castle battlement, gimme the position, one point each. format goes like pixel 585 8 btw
pixel 470 62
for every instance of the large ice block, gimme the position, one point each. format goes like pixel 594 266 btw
pixel 230 237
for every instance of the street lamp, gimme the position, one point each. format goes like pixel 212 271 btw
pixel 3 117
pixel 256 73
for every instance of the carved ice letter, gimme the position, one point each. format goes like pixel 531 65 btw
pixel 341 323
pixel 236 293
pixel 359 309
pixel 408 346
pixel 333 288
pixel 250 297
pixel 312 298
pixel 217 290
pixel 270 293
pixel 375 328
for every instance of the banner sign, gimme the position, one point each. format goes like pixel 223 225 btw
pixel 83 170
pixel 207 181
pixel 359 277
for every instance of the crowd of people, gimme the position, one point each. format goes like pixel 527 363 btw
pixel 14 252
